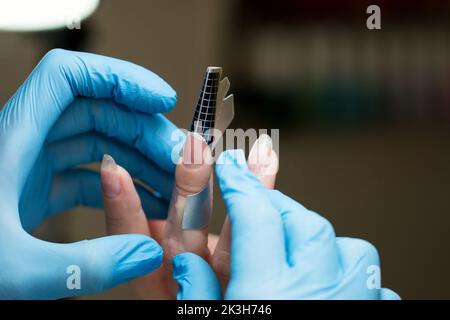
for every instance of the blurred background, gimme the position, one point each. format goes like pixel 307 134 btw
pixel 364 115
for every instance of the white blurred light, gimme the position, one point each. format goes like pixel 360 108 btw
pixel 39 15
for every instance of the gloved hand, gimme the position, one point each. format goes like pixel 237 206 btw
pixel 279 249
pixel 73 108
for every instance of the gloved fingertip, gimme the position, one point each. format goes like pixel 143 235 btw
pixel 184 263
pixel 234 157
pixel 167 95
pixel 170 99
pixel 138 256
pixel 231 163
pixel 195 278
pixel 233 173
pixel 179 265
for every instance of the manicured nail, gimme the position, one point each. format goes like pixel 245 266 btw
pixel 193 149
pixel 261 151
pixel 108 162
pixel 264 144
pixel 110 179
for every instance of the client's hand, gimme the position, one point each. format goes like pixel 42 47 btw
pixel 124 215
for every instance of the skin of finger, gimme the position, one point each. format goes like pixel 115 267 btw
pixel 157 228
pixel 213 239
pixel 190 178
pixel 220 260
pixel 124 215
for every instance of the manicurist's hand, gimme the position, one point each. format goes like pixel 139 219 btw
pixel 73 108
pixel 279 249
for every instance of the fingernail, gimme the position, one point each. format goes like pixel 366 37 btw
pixel 108 162
pixel 193 149
pixel 264 144
pixel 261 150
pixel 110 180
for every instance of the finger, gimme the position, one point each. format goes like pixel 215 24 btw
pixel 187 231
pixel 151 134
pixel 90 266
pixel 195 278
pixel 220 260
pixel 123 210
pixel 157 229
pixel 82 187
pixel 257 235
pixel 310 239
pixel 124 214
pixel 53 85
pixel 87 148
pixel 213 239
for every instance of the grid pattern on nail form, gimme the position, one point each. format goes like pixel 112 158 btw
pixel 205 111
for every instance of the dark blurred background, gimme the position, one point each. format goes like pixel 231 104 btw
pixel 364 115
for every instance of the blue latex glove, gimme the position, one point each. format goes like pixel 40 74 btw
pixel 73 108
pixel 279 249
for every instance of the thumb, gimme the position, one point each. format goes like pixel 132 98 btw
pixel 93 266
pixel 257 232
pixel 195 278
